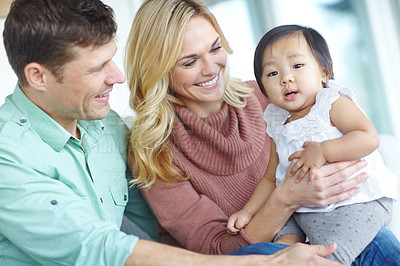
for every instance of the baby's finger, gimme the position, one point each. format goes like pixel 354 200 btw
pixel 312 174
pixel 231 226
pixel 240 224
pixel 303 171
pixel 234 232
pixel 296 166
pixel 305 144
pixel 295 155
pixel 231 223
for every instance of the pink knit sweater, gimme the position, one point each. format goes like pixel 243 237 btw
pixel 225 155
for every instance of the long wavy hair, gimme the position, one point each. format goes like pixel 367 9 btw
pixel 152 51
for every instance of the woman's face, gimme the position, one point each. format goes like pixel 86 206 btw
pixel 198 77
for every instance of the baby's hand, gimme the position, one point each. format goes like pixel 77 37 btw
pixel 309 160
pixel 237 221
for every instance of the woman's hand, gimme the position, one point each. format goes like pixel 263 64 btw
pixel 329 186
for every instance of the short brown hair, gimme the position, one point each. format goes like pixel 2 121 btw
pixel 44 31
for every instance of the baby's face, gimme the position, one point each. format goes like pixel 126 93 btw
pixel 291 75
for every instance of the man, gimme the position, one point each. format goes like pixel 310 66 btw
pixel 63 186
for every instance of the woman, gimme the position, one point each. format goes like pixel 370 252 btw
pixel 198 145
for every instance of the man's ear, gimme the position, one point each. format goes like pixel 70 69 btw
pixel 35 75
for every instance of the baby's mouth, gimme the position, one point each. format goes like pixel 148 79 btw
pixel 290 93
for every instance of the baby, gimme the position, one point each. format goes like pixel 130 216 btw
pixel 312 121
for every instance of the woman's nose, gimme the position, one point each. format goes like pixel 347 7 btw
pixel 209 67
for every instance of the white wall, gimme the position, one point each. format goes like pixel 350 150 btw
pixel 7 77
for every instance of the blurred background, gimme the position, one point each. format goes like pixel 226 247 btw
pixel 363 36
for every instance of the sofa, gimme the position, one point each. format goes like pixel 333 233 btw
pixel 388 148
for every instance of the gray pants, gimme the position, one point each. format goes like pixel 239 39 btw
pixel 352 227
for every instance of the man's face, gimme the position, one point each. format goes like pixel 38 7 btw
pixel 83 92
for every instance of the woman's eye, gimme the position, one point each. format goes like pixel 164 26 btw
pixel 273 73
pixel 216 49
pixel 298 66
pixel 189 64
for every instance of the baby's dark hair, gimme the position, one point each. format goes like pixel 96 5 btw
pixel 317 44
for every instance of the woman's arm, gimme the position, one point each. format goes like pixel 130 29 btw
pixel 193 219
pixel 330 186
pixel 199 224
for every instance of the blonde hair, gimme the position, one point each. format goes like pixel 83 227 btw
pixel 152 50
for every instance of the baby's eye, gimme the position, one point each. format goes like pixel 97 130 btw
pixel 298 66
pixel 273 73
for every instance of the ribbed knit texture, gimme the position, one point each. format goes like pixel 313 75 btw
pixel 225 155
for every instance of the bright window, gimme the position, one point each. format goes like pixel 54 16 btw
pixel 363 37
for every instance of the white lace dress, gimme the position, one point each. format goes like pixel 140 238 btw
pixel 316 126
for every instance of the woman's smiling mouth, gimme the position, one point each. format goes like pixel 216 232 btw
pixel 208 83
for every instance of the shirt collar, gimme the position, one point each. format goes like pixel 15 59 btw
pixel 91 132
pixel 46 127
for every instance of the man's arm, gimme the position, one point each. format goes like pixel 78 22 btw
pixel 153 253
pixel 43 218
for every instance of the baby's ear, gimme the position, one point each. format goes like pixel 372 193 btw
pixel 325 76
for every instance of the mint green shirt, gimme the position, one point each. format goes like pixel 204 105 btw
pixel 61 199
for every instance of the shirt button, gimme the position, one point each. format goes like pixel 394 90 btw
pixel 101 200
pixel 53 202
pixel 125 197
pixel 23 119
